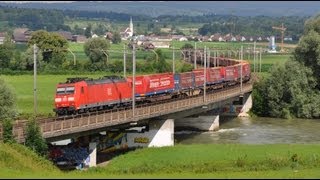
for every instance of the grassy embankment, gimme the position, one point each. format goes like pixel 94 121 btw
pixel 23 84
pixel 180 161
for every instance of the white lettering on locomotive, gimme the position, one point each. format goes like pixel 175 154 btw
pixel 109 92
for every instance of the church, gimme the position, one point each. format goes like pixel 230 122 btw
pixel 128 32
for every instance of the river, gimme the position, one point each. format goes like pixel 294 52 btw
pixel 257 130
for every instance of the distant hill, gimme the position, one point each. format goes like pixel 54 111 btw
pixel 157 8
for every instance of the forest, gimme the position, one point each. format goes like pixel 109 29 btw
pixel 53 20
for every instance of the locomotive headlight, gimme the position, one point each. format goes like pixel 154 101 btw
pixel 70 98
pixel 57 99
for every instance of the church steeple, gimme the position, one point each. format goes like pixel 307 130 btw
pixel 131 27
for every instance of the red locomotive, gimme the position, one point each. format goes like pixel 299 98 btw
pixel 82 94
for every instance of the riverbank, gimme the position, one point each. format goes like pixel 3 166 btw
pixel 181 161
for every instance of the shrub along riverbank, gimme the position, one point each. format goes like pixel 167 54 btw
pixel 180 161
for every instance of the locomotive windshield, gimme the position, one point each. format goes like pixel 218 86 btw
pixel 65 90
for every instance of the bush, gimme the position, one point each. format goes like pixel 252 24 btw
pixel 7 131
pixel 34 139
pixel 7 101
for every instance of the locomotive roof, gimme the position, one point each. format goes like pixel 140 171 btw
pixel 101 80
pixel 106 79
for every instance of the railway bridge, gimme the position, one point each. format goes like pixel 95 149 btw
pixel 159 118
pixel 54 129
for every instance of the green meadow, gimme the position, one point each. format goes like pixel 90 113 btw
pixel 181 161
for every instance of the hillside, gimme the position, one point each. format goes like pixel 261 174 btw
pixel 18 161
pixel 157 8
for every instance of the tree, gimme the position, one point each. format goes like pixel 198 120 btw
pixel 308 52
pixel 292 90
pixel 161 65
pixel 7 101
pixel 96 48
pixel 187 46
pixel 25 62
pixel 77 30
pixel 116 38
pixel 34 139
pixel 51 45
pixel 7 131
pixel 187 50
pixel 100 30
pixel 87 31
pixel 6 52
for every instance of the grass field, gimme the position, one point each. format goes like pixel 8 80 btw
pixel 180 161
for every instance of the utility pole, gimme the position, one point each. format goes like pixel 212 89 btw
pixel 241 70
pixel 214 59
pixel 74 56
pixel 124 61
pixel 217 55
pixel 195 55
pixel 133 78
pixel 208 57
pixel 205 73
pixel 254 56
pixel 173 65
pixel 35 79
pixel 260 58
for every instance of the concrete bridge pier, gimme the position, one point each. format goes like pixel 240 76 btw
pixel 246 105
pixel 239 108
pixel 92 154
pixel 203 123
pixel 160 133
pixel 157 133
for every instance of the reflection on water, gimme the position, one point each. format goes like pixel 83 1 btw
pixel 248 130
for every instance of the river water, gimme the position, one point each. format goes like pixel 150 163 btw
pixel 249 130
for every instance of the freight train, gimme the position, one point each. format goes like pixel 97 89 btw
pixel 79 95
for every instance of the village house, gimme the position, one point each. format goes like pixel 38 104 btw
pixel 109 36
pixel 94 36
pixel 21 35
pixel 148 45
pixel 79 38
pixel 66 34
pixel 2 37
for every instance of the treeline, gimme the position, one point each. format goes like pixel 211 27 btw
pixel 52 49
pixel 33 19
pixel 293 90
pixel 111 16
pixel 252 26
pixel 52 20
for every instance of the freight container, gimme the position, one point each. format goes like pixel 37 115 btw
pixel 154 84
